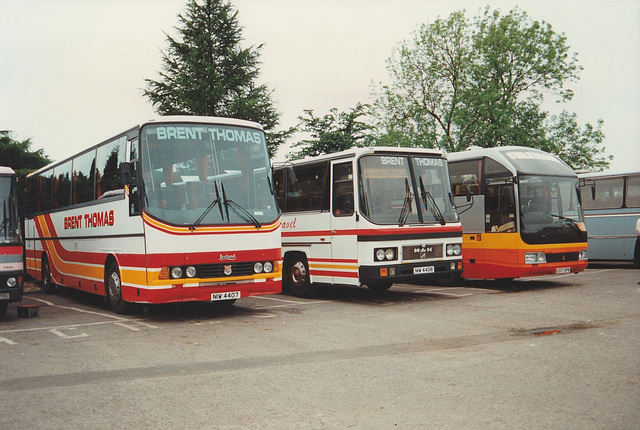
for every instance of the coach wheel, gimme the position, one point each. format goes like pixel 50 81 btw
pixel 379 287
pixel 47 285
pixel 113 287
pixel 636 260
pixel 296 277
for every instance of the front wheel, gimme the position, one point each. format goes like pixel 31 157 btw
pixel 296 277
pixel 113 286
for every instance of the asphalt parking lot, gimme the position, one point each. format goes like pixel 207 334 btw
pixel 553 352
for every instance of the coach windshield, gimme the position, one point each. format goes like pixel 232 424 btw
pixel 9 221
pixel 204 174
pixel 405 190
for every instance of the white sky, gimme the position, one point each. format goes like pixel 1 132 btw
pixel 72 71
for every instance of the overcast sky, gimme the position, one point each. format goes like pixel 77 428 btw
pixel 72 71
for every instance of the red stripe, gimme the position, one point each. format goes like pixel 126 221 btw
pixel 334 260
pixel 374 232
pixel 10 250
pixel 333 273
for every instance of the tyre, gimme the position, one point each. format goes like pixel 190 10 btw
pixel 113 290
pixel 296 277
pixel 47 285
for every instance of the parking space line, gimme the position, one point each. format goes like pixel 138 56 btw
pixel 297 302
pixel 66 336
pixel 73 308
pixel 7 341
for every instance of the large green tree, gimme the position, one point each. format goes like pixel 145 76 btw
pixel 333 132
pixel 484 82
pixel 18 154
pixel 206 71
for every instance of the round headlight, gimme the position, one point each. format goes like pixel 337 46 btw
pixel 268 267
pixel 457 249
pixel 12 282
pixel 390 254
pixel 257 268
pixel 191 272
pixel 176 272
pixel 380 254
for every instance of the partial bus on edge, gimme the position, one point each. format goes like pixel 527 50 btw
pixel 612 210
pixel 11 250
pixel 176 209
pixel 521 213
pixel 368 216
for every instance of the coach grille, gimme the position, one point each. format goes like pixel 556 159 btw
pixel 562 256
pixel 217 270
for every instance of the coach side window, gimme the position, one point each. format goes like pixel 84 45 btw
pixel 343 201
pixel 633 192
pixel 310 191
pixel 108 162
pixel 62 185
pixel 465 175
pixel 84 177
pixel 609 194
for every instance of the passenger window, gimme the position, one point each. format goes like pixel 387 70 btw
pixel 62 185
pixel 308 193
pixel 465 175
pixel 633 192
pixel 608 194
pixel 45 190
pixel 343 201
pixel 84 177
pixel 108 161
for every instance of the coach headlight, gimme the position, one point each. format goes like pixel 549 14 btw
pixel 176 272
pixel 379 254
pixel 583 255
pixel 268 267
pixel 453 249
pixel 191 272
pixel 258 267
pixel 12 282
pixel 534 258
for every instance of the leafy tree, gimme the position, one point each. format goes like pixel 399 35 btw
pixel 22 159
pixel 457 84
pixel 19 156
pixel 206 72
pixel 334 132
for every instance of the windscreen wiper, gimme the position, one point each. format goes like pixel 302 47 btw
pixel 244 214
pixel 431 204
pixel 216 201
pixel 572 222
pixel 404 214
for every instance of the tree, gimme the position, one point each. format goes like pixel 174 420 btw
pixel 336 131
pixel 206 72
pixel 457 84
pixel 19 156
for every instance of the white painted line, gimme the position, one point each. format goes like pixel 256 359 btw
pixel 66 336
pixel 85 311
pixel 278 300
pixel 127 326
pixel 7 341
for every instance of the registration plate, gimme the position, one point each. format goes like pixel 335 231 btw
pixel 4 296
pixel 562 270
pixel 229 295
pixel 425 269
